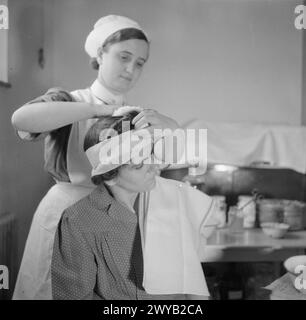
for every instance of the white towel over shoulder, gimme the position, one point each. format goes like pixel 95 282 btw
pixel 175 216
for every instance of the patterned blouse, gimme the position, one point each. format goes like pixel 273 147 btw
pixel 97 252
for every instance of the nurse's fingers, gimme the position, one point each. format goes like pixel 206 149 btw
pixel 105 110
pixel 142 123
pixel 142 114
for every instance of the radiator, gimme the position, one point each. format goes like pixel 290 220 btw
pixel 8 250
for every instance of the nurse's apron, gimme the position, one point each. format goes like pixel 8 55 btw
pixel 34 277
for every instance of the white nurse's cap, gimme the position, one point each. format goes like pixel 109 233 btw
pixel 105 27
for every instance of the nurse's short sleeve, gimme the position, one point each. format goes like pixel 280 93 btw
pixel 53 94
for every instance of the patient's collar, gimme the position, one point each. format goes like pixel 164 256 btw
pixel 125 198
pixel 103 94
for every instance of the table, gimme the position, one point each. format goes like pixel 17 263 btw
pixel 250 245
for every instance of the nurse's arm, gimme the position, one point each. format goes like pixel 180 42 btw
pixel 47 116
pixel 73 267
pixel 55 109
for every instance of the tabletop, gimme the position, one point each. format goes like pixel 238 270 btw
pixel 251 245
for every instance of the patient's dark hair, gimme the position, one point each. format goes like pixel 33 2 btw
pixel 93 137
pixel 119 36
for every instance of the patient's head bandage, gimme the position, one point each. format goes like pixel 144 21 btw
pixel 134 146
pixel 105 27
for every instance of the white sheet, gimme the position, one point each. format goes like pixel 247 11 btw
pixel 241 144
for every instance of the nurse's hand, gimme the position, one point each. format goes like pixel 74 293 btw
pixel 154 120
pixel 102 110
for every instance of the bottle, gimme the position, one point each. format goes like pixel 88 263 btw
pixel 195 176
pixel 235 220
pixel 249 210
pixel 220 202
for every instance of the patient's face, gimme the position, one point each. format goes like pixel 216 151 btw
pixel 137 177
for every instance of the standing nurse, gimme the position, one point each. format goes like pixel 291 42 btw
pixel 119 49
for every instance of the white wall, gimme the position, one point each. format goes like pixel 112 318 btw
pixel 304 78
pixel 215 60
pixel 22 178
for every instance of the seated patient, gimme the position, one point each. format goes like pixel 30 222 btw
pixel 97 249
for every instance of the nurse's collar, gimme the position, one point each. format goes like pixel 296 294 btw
pixel 103 94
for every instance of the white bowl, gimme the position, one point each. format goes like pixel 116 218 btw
pixel 274 229
pixel 294 265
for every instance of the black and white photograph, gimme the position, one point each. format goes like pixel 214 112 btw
pixel 153 150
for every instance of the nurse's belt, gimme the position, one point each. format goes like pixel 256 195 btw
pixel 171 234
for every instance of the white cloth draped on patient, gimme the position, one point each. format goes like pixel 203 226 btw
pixel 171 231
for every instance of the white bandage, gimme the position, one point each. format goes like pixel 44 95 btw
pixel 135 146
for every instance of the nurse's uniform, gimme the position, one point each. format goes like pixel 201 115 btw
pixel 66 161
